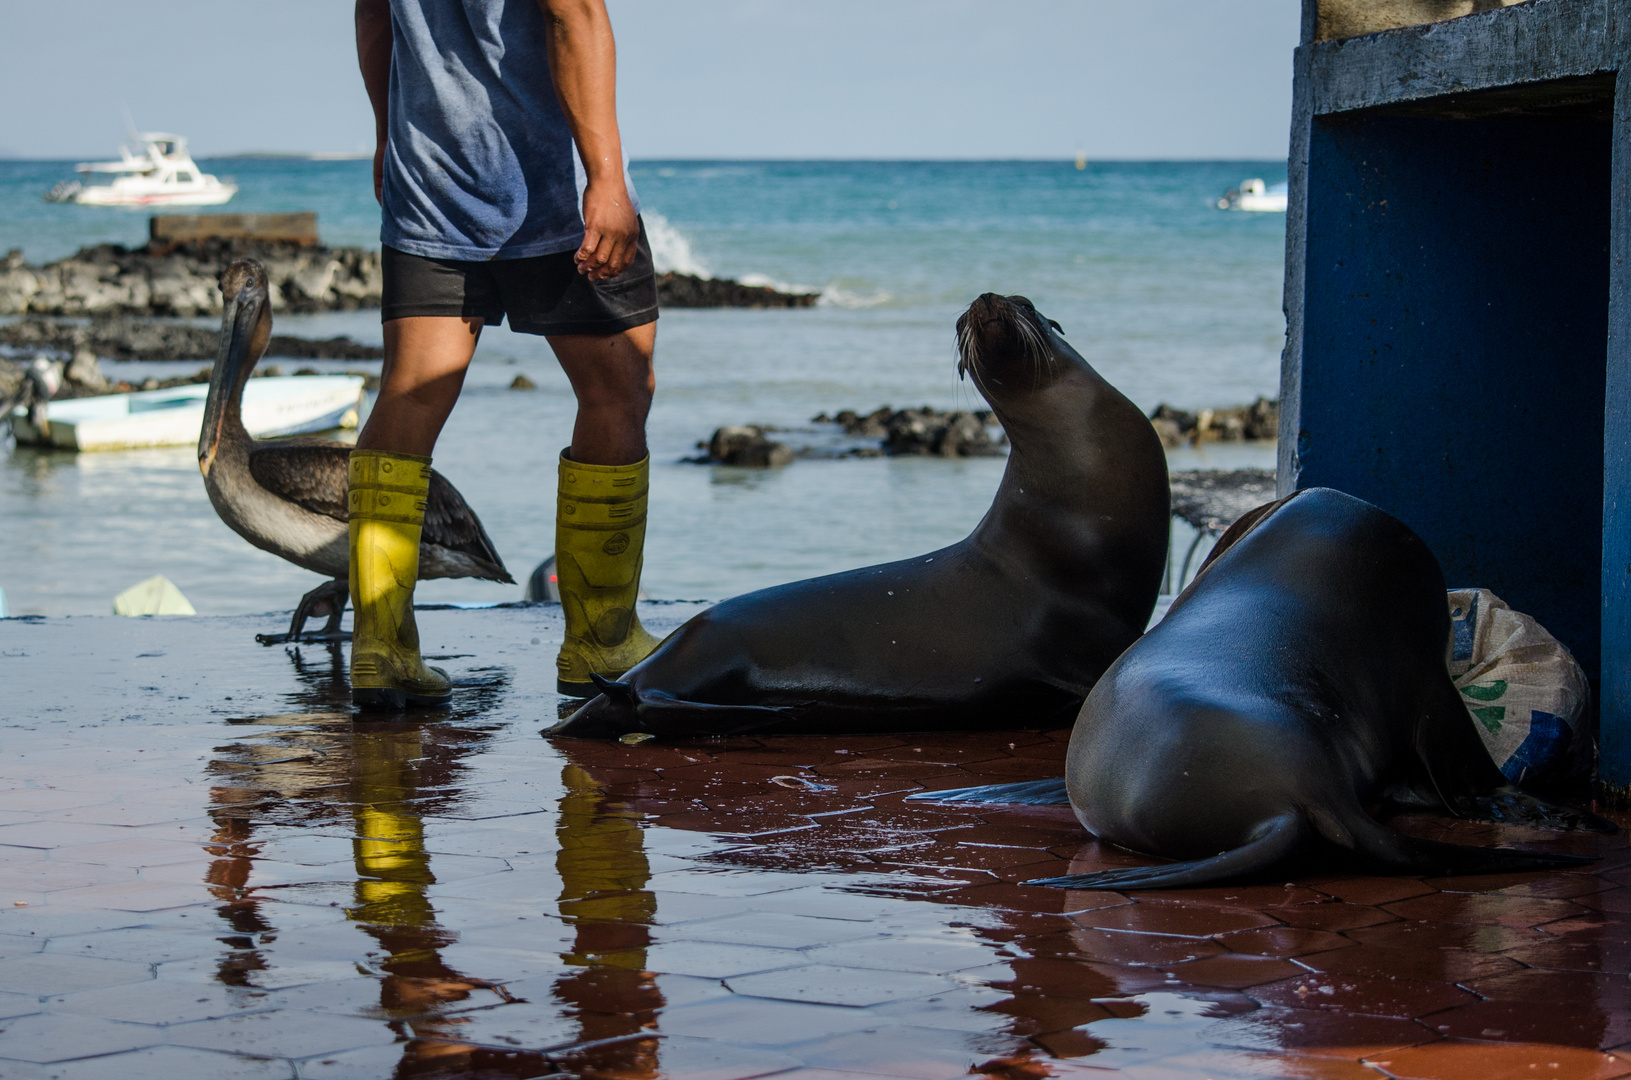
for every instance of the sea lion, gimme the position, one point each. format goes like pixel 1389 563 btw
pixel 1011 626
pixel 1297 680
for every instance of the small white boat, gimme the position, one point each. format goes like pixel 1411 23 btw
pixel 1256 197
pixel 274 405
pixel 162 173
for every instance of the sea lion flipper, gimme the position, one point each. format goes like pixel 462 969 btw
pixel 1414 855
pixel 1509 806
pixel 1468 781
pixel 1029 793
pixel 621 708
pixel 1275 839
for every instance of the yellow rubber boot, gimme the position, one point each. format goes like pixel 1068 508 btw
pixel 600 539
pixel 386 501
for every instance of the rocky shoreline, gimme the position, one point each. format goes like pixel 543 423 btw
pixel 137 339
pixel 689 291
pixel 180 280
pixel 923 432
pixel 930 432
pixel 1238 423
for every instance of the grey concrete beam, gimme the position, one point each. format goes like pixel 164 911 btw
pixel 1540 41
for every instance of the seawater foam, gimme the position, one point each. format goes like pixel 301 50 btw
pixel 671 253
pixel 670 250
pixel 835 295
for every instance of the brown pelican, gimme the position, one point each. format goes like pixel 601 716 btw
pixel 289 496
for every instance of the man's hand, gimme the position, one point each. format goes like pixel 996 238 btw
pixel 610 231
pixel 379 171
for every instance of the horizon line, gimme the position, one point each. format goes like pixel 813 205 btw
pixel 332 155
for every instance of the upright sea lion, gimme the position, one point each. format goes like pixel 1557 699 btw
pixel 1012 626
pixel 1297 680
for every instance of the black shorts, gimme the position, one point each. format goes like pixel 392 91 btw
pixel 543 294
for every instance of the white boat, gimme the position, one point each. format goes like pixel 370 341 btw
pixel 274 405
pixel 1256 197
pixel 157 172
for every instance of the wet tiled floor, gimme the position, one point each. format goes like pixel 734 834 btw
pixel 207 869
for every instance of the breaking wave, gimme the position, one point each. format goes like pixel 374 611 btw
pixel 670 250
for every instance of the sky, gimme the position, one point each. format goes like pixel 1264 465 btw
pixel 1140 79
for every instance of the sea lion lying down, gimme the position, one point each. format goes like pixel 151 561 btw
pixel 1297 680
pixel 1010 627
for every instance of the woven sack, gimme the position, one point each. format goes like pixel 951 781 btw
pixel 1526 693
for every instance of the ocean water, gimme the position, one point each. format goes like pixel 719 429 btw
pixel 1171 299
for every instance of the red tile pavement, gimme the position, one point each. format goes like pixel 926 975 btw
pixel 456 897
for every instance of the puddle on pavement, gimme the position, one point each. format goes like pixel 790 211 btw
pixel 454 896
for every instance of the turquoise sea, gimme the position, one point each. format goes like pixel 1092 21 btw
pixel 1171 299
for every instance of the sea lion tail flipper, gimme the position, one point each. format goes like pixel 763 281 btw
pixel 1028 793
pixel 622 708
pixel 1509 806
pixel 1275 840
pixel 1411 854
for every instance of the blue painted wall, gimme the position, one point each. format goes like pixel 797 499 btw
pixel 1455 345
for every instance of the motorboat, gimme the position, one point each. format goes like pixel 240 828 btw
pixel 273 405
pixel 1255 196
pixel 153 170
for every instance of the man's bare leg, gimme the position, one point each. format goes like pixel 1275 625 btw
pixel 426 358
pixel 613 378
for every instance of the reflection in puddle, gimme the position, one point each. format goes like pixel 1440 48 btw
pixel 317 769
pixel 673 900
pixel 604 876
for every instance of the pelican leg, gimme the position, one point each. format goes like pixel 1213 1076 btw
pixel 329 599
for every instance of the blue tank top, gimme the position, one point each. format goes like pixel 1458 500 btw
pixel 479 161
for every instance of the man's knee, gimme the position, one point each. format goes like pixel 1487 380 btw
pixel 614 371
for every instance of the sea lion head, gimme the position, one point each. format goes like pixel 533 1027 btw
pixel 1004 340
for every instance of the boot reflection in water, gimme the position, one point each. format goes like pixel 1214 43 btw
pixel 393 872
pixel 604 878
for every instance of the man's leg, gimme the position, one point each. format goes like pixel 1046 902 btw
pixel 613 379
pixel 425 361
pixel 600 518
pixel 389 484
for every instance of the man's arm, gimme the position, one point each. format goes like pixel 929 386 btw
pixel 374 57
pixel 583 65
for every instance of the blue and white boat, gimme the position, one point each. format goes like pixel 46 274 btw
pixel 272 406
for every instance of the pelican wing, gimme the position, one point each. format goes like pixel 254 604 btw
pixel 313 475
pixel 450 523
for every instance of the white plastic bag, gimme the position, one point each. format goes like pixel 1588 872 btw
pixel 1526 693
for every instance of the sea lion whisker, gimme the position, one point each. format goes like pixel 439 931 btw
pixel 968 348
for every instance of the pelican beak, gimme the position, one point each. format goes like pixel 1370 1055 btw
pixel 245 328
